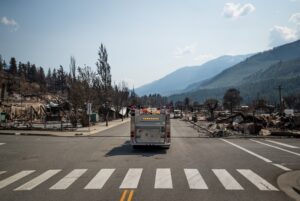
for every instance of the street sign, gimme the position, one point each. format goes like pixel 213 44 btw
pixel 89 108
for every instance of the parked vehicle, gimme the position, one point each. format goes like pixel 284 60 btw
pixel 177 114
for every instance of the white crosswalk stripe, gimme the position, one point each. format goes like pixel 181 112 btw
pixel 15 178
pixel 255 179
pixel 195 179
pixel 132 178
pixel 2 172
pixel 163 178
pixel 68 180
pixel 37 180
pixel 100 179
pixel 227 180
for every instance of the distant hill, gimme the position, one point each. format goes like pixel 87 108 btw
pixel 236 75
pixel 180 79
pixel 257 75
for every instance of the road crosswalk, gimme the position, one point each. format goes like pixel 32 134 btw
pixel 162 179
pixel 195 180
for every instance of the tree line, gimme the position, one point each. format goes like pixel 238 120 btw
pixel 79 85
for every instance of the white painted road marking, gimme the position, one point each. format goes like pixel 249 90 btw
pixel 283 144
pixel 255 179
pixel 132 178
pixel 195 179
pixel 2 172
pixel 227 180
pixel 1 143
pixel 38 180
pixel 279 148
pixel 100 179
pixel 258 156
pixel 163 178
pixel 248 151
pixel 65 182
pixel 14 178
pixel 282 167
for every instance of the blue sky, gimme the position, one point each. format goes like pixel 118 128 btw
pixel 145 39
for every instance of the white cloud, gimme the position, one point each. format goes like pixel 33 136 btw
pixel 203 58
pixel 9 22
pixel 232 10
pixel 295 18
pixel 187 50
pixel 280 35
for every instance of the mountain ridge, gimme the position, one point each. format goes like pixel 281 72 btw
pixel 278 66
pixel 179 79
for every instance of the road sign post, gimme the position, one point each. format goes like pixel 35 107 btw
pixel 89 112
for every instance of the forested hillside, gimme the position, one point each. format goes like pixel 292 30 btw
pixel 257 76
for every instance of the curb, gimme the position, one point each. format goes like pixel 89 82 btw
pixel 289 183
pixel 63 133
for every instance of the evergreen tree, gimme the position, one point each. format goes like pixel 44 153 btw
pixel 54 80
pixel 48 79
pixel 41 77
pixel 1 63
pixel 4 65
pixel 13 66
pixel 24 70
pixel 61 78
pixel 32 75
pixel 27 70
pixel 19 69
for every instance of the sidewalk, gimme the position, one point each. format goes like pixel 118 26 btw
pixel 87 131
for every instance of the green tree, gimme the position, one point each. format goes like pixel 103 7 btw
pixel 103 69
pixel 54 80
pixel 72 68
pixel 27 70
pixel 187 102
pixel 41 77
pixel 61 79
pixel 19 68
pixel 32 74
pixel 4 65
pixel 1 63
pixel 133 98
pixel 232 99
pixel 13 69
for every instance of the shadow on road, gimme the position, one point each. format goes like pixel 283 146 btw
pixel 126 149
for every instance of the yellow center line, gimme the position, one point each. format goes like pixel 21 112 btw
pixel 123 195
pixel 130 195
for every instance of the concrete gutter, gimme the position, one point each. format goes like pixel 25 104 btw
pixel 79 132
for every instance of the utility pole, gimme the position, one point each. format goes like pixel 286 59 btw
pixel 280 100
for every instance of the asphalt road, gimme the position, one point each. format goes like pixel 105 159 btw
pixel 105 167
